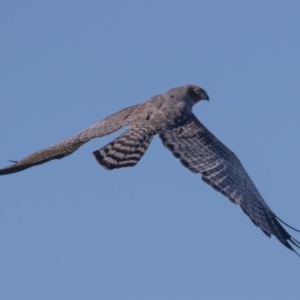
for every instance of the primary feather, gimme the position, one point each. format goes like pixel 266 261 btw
pixel 170 116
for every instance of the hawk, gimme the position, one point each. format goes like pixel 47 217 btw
pixel 170 116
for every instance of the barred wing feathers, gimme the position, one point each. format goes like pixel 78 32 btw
pixel 201 152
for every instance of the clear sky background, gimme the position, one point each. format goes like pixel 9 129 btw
pixel 70 229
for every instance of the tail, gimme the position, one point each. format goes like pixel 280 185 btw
pixel 126 150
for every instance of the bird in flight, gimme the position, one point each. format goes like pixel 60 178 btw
pixel 170 116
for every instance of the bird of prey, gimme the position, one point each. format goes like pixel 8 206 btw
pixel 170 116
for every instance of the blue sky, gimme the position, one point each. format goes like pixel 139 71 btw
pixel 72 230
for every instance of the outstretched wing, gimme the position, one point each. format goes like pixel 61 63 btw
pixel 201 152
pixel 66 147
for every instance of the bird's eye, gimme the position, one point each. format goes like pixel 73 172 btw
pixel 194 92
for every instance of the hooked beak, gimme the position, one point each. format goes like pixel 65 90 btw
pixel 204 95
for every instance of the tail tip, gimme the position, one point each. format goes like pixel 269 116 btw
pixel 102 162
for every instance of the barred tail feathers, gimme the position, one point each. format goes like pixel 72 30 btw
pixel 126 150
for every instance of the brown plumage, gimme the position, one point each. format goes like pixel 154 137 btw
pixel 170 116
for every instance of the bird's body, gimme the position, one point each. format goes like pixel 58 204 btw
pixel 170 116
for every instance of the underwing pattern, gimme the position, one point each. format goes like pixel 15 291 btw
pixel 170 116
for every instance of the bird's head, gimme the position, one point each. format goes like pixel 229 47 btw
pixel 197 93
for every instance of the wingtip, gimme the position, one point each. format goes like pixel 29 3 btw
pixel 289 241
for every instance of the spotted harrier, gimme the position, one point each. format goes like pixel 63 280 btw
pixel 170 116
